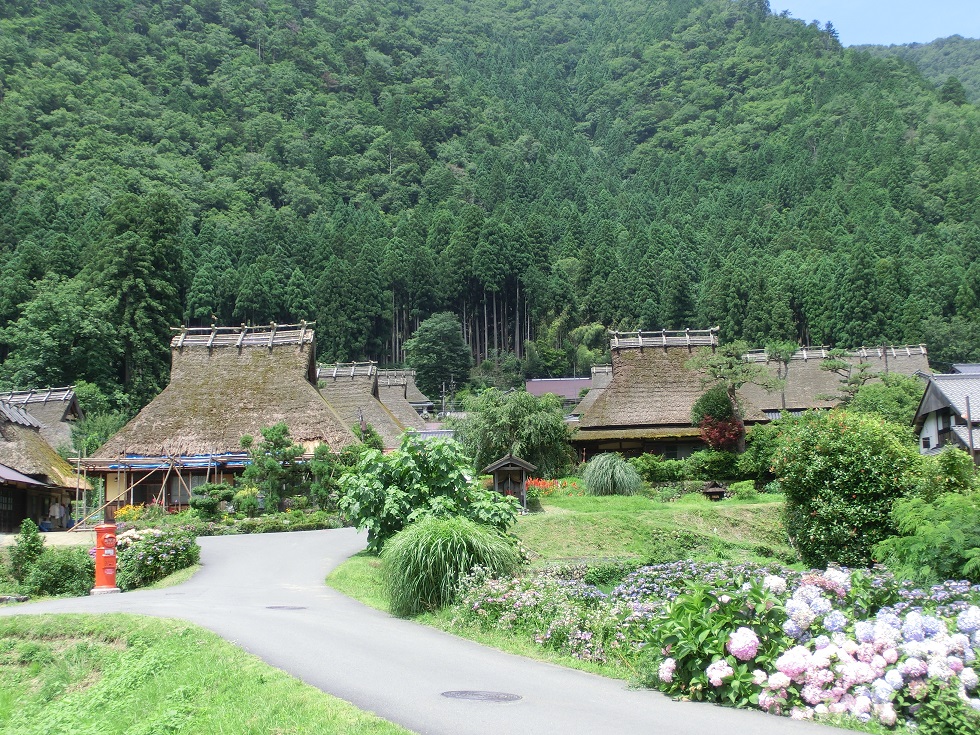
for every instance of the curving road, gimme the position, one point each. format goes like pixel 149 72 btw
pixel 266 593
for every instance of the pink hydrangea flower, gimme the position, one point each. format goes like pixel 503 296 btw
pixel 743 644
pixel 666 671
pixel 794 662
pixel 718 672
pixel 779 680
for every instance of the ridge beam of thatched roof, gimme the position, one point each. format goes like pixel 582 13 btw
pixel 347 370
pixel 689 338
pixel 269 335
pixel 882 352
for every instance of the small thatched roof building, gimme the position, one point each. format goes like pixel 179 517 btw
pixel 55 408
pixel 418 400
pixel 225 383
pixel 352 391
pixel 394 389
pixel 32 474
pixel 646 407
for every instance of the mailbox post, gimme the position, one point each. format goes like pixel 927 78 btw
pixel 105 559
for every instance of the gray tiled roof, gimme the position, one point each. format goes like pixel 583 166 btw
pixel 956 388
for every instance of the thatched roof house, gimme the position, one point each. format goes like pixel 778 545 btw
pixel 809 385
pixel 352 391
pixel 647 404
pixel 225 383
pixel 55 408
pixel 32 474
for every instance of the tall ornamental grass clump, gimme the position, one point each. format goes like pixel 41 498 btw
pixel 423 564
pixel 610 474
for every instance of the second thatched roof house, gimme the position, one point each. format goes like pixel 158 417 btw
pixel 56 409
pixel 646 407
pixel 225 383
pixel 352 391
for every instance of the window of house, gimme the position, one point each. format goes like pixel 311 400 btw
pixel 926 442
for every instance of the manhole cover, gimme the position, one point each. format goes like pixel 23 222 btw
pixel 284 607
pixel 482 696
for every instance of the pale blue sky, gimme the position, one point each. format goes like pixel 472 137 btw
pixel 889 21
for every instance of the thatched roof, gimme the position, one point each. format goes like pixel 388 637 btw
pixel 54 408
pixel 221 392
pixel 653 391
pixel 810 386
pixel 392 395
pixel 22 448
pixel 413 395
pixel 353 394
pixel 650 387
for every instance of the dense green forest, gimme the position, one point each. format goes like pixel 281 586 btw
pixel 544 169
pixel 939 60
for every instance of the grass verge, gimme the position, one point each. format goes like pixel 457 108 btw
pixel 109 674
pixel 587 529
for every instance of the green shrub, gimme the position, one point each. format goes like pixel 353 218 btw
pixel 610 474
pixel 950 471
pixel 386 492
pixel 423 564
pixel 60 571
pixel 152 554
pixel 246 501
pixel 755 463
pixel 841 473
pixel 26 551
pixel 937 541
pixel 653 468
pixel 709 464
pixel 744 490
pixel 942 711
pixel 713 403
pixel 207 498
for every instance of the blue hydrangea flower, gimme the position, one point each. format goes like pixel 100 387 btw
pixel 821 642
pixel 791 629
pixel 968 621
pixel 912 629
pixel 889 618
pixel 821 605
pixel 894 679
pixel 864 631
pixel 835 622
pixel 932 626
pixel 881 691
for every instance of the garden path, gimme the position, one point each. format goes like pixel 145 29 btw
pixel 266 593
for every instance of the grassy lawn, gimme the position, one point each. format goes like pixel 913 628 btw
pixel 641 529
pixel 105 674
pixel 583 529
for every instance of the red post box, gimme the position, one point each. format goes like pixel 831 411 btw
pixel 105 559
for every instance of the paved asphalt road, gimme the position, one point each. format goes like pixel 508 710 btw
pixel 266 593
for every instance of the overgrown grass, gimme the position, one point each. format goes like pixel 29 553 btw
pixel 610 474
pixel 120 674
pixel 423 564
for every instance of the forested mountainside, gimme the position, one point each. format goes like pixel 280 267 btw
pixel 538 167
pixel 939 60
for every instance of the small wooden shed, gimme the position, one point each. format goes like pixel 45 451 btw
pixel 510 477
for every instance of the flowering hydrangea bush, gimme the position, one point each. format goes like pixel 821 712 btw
pixel 562 614
pixel 145 556
pixel 802 644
